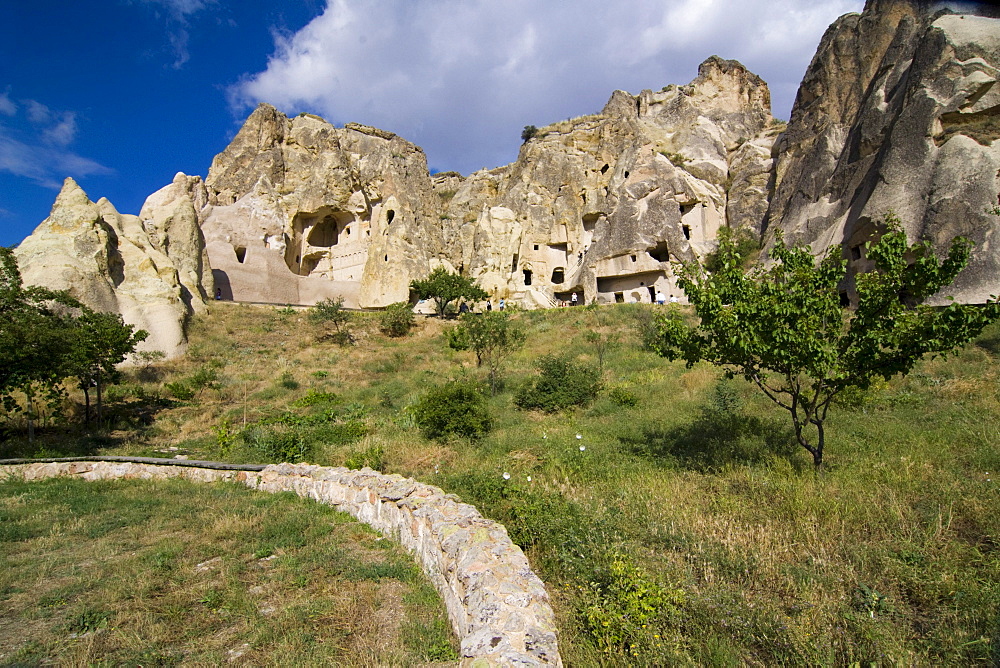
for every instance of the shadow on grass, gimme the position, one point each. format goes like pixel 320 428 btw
pixel 715 440
pixel 122 420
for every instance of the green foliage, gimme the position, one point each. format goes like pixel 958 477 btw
pixel 456 408
pixel 494 336
pixel 397 319
pixel 783 328
pixel 276 445
pixel 624 608
pixel 623 396
pixel 561 383
pixel 47 336
pixel 180 389
pixel 678 159
pixel 373 457
pixel 745 244
pixel 529 132
pixel 331 313
pixel 445 287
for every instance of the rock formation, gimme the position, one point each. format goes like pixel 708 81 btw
pixel 600 205
pixel 899 110
pixel 301 210
pixel 148 269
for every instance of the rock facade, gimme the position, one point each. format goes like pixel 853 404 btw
pixel 300 211
pixel 899 110
pixel 498 607
pixel 601 205
pixel 151 268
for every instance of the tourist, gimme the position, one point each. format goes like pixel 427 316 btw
pixel 572 300
pixel 660 299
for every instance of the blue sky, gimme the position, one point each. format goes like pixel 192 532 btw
pixel 122 94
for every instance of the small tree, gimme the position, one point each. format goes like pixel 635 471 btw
pixel 528 133
pixel 101 341
pixel 331 312
pixel 445 287
pixel 784 328
pixel 454 408
pixel 35 337
pixel 494 336
pixel 396 320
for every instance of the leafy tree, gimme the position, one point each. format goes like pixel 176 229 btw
pixel 454 408
pixel 528 133
pixel 331 312
pixel 100 342
pixel 494 336
pixel 784 329
pixel 445 287
pixel 35 333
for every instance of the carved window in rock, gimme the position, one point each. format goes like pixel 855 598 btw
pixel 659 252
pixel 241 254
pixel 513 265
pixel 686 229
pixel 558 275
pixel 527 277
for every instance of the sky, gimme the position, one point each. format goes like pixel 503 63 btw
pixel 123 94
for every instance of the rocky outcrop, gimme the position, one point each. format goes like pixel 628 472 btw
pixel 498 607
pixel 149 270
pixel 600 205
pixel 899 111
pixel 300 211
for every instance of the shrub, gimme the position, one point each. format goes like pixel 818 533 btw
pixel 331 313
pixel 561 383
pixel 180 390
pixel 622 396
pixel 455 408
pixel 396 320
pixel 276 446
pixel 528 133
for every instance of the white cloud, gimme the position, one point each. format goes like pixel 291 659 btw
pixel 461 78
pixel 35 145
pixel 177 14
pixel 7 106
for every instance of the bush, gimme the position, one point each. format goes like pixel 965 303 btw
pixel 561 383
pixel 455 408
pixel 624 397
pixel 396 320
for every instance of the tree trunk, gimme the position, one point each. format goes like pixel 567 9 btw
pixel 30 415
pixel 100 412
pixel 86 403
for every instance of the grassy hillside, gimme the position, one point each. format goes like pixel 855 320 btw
pixel 671 518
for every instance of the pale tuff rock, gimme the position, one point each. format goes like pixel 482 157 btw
pixel 498 607
pixel 900 111
pixel 302 211
pixel 111 263
pixel 600 205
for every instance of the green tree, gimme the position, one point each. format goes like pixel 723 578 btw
pixel 99 343
pixel 454 408
pixel 494 336
pixel 784 329
pixel 528 133
pixel 35 335
pixel 331 313
pixel 445 287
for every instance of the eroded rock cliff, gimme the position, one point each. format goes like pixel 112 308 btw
pixel 147 269
pixel 898 111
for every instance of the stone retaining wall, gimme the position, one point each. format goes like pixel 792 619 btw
pixel 498 607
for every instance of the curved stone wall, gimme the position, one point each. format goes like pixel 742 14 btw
pixel 498 607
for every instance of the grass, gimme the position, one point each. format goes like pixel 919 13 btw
pixel 175 573
pixel 688 530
